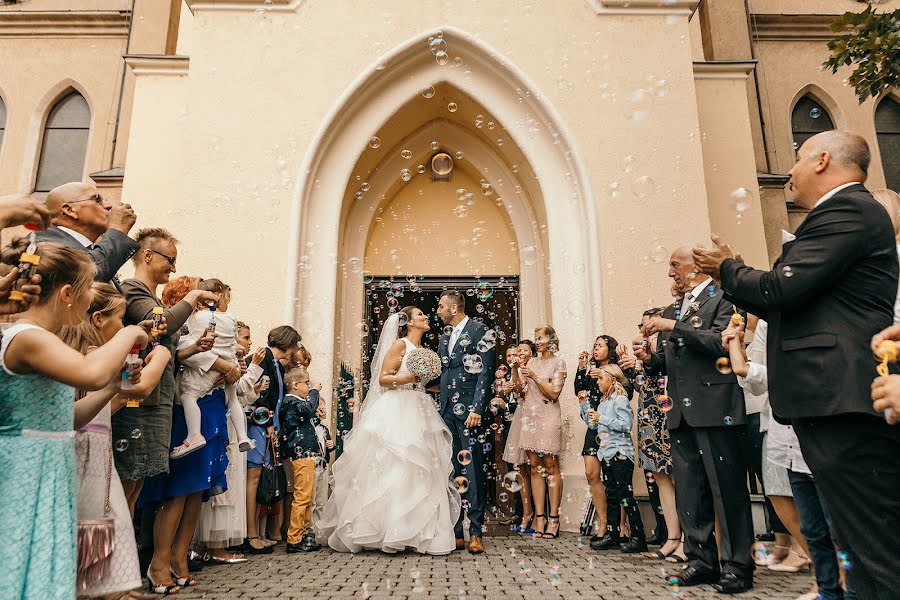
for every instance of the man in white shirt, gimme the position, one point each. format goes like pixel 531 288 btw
pixel 81 218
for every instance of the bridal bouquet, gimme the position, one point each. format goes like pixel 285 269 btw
pixel 424 364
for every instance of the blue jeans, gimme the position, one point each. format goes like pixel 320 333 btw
pixel 815 525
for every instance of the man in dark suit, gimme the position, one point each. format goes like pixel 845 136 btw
pixel 706 423
pixel 831 290
pixel 466 381
pixel 82 219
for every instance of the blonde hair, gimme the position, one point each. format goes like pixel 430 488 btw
pixel 295 375
pixel 551 334
pixel 890 200
pixel 84 336
pixel 619 380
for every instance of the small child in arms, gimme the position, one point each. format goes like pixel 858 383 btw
pixel 197 378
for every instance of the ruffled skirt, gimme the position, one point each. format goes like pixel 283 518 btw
pixel 391 486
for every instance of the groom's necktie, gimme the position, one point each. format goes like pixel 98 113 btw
pixel 688 298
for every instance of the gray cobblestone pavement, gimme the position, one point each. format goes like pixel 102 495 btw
pixel 512 567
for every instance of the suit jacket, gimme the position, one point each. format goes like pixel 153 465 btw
pixel 109 253
pixel 831 290
pixel 458 385
pixel 688 354
pixel 298 431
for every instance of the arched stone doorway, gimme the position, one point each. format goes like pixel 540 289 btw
pixel 527 156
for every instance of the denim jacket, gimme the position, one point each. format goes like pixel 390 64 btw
pixel 613 428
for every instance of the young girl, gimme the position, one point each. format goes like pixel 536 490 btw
pixel 37 381
pixel 100 492
pixel 197 378
pixel 612 421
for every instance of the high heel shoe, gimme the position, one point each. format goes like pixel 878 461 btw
pixel 182 581
pixel 525 527
pixel 547 534
pixel 163 590
pixel 539 532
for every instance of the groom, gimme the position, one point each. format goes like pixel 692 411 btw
pixel 465 384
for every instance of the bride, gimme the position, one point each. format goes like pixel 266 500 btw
pixel 392 487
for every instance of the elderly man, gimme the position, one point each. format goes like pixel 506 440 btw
pixel 82 219
pixel 706 423
pixel 831 290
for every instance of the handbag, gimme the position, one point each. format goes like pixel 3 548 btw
pixel 272 480
pixel 96 541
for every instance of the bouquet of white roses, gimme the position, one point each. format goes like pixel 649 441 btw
pixel 424 364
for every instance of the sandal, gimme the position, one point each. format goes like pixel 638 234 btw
pixel 659 554
pixel 546 534
pixel 525 526
pixel 534 528
pixel 183 581
pixel 163 590
pixel 675 559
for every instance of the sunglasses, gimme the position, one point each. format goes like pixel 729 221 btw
pixel 169 259
pixel 96 198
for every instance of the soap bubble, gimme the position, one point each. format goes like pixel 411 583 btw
pixel 487 189
pixel 374 141
pixel 452 107
pixel 511 482
pixel 121 445
pixel 461 211
pixel 459 155
pixel 420 169
pixel 474 364
pixel 404 319
pixel 435 145
pixel 485 291
pixel 135 434
pixel 696 321
pixel 741 197
pixel 686 402
pixel 723 365
pixel 815 113
pixel 462 484
pixel 639 104
pixel 407 154
pixel 665 403
pixel 728 421
pixel 787 270
pixel 405 174
pixel 760 553
pixel 428 91
pixel 438 46
pixel 659 254
pixel 261 415
pixel 464 457
pixel 642 187
pixel 442 58
pixel 459 409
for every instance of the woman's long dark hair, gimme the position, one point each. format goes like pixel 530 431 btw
pixel 611 352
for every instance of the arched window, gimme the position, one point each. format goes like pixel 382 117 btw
pixel 808 118
pixel 887 127
pixel 64 146
pixel 2 121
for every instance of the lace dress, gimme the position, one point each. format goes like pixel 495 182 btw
pixel 37 484
pixel 93 446
pixel 392 488
pixel 541 419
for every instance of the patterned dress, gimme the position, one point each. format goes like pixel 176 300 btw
pixel 653 435
pixel 37 484
pixel 541 419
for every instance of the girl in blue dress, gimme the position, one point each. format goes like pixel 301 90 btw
pixel 38 374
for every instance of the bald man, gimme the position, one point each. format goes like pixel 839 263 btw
pixel 81 218
pixel 831 290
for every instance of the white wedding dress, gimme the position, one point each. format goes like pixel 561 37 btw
pixel 392 487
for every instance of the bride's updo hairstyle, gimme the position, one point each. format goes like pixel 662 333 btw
pixel 407 311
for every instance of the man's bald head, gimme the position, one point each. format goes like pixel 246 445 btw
pixel 825 161
pixel 682 269
pixel 80 207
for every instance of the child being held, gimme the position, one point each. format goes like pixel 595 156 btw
pixel 612 421
pixel 197 377
pixel 301 444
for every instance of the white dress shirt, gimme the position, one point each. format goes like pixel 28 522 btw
pixel 828 195
pixel 81 239
pixel 693 295
pixel 756 389
pixel 457 331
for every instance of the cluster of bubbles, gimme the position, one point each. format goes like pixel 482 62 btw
pixel 438 47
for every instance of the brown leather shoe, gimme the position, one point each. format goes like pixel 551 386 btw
pixel 460 543
pixel 475 545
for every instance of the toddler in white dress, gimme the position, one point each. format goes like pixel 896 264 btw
pixel 197 377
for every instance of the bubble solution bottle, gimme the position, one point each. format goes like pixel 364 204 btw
pixel 211 328
pixel 157 322
pixel 132 364
pixel 27 262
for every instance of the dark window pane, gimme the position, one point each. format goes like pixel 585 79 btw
pixel 2 115
pixel 809 118
pixel 64 145
pixel 887 125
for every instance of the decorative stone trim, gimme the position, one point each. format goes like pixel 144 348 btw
pixel 772 180
pixel 724 69
pixel 158 64
pixel 63 24
pixel 784 28
pixel 643 7
pixel 243 5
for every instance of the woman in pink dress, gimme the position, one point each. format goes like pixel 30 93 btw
pixel 541 433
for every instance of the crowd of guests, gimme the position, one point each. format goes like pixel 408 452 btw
pixel 816 433
pixel 139 422
pixel 140 402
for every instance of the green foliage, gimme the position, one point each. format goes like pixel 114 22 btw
pixel 871 41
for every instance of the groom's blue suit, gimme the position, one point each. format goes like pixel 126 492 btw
pixel 463 392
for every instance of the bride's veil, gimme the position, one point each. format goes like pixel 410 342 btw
pixel 389 334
